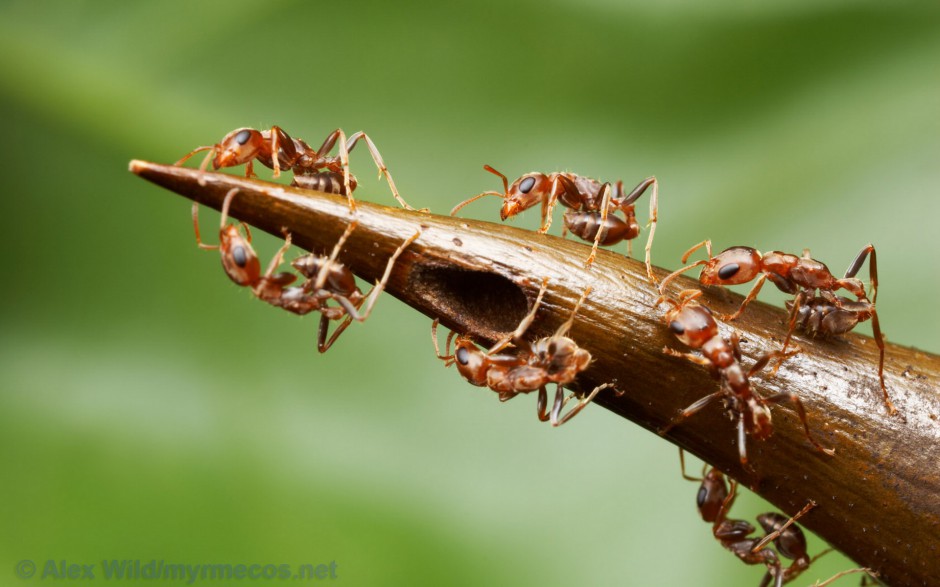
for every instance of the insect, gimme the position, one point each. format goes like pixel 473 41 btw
pixel 592 206
pixel 313 169
pixel 695 327
pixel 327 279
pixel 714 500
pixel 554 359
pixel 802 277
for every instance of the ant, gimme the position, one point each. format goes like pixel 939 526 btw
pixel 327 279
pixel 694 326
pixel 313 169
pixel 802 277
pixel 592 207
pixel 714 500
pixel 554 359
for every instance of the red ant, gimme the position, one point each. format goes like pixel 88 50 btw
pixel 694 326
pixel 714 500
pixel 327 279
pixel 801 276
pixel 554 359
pixel 592 206
pixel 314 170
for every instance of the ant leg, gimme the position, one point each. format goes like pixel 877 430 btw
pixel 541 405
pixel 326 267
pixel 794 315
pixel 698 360
pixel 682 468
pixel 742 444
pixel 828 581
pixel 278 258
pixel 581 404
pixel 876 326
pixel 750 297
pixel 380 163
pixel 602 231
pixel 324 345
pixel 437 351
pixel 199 242
pixel 654 210
pixel 523 325
pixel 564 328
pixel 279 140
pixel 880 341
pixel 380 286
pixel 548 206
pixel 795 400
pixel 344 161
pixel 776 533
pixel 692 409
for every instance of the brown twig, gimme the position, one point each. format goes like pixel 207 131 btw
pixel 879 495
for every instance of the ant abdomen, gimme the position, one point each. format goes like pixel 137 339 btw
pixel 587 224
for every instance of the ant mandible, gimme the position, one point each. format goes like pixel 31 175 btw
pixel 327 279
pixel 695 327
pixel 592 206
pixel 313 169
pixel 554 359
pixel 802 277
pixel 714 500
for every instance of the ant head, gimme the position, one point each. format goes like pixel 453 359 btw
pixel 238 257
pixel 471 361
pixel 732 267
pixel 692 324
pixel 711 495
pixel 238 147
pixel 792 542
pixel 525 192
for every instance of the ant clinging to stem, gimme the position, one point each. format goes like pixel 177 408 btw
pixel 533 365
pixel 823 315
pixel 327 279
pixel 695 327
pixel 313 169
pixel 591 206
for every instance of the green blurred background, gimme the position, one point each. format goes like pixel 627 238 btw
pixel 150 409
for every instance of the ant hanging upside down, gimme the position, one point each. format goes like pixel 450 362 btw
pixel 313 169
pixel 592 206
pixel 327 279
pixel 822 315
pixel 533 365
pixel 694 326
pixel 714 501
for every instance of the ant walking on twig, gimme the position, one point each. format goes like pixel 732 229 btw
pixel 714 501
pixel 313 169
pixel 554 359
pixel 695 327
pixel 327 279
pixel 592 206
pixel 827 314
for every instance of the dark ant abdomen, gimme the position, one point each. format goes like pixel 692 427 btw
pixel 324 181
pixel 587 224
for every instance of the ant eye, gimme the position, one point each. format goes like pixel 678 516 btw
pixel 677 327
pixel 462 355
pixel 239 256
pixel 702 494
pixel 242 137
pixel 526 185
pixel 728 271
